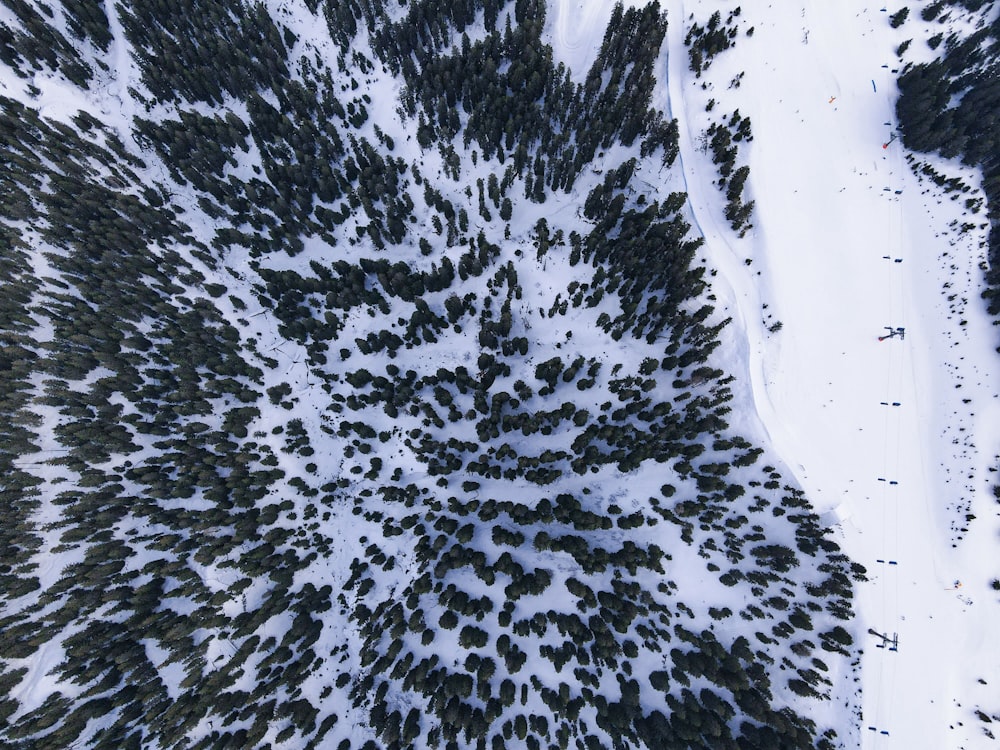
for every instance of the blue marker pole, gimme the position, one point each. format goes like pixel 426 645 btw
pixel 873 87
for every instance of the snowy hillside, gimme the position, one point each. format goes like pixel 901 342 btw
pixel 484 374
pixel 892 440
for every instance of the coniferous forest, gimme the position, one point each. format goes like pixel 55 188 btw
pixel 949 106
pixel 360 389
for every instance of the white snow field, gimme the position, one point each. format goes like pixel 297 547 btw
pixel 894 441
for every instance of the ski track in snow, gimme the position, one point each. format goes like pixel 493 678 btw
pixel 827 214
pixel 576 28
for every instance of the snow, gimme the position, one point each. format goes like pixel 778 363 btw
pixel 37 684
pixel 575 29
pixel 824 221
pixel 895 482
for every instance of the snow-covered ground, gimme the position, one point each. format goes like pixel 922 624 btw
pixel 576 29
pixel 893 441
pixel 847 241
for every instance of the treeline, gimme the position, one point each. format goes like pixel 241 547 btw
pixel 949 106
pixel 200 50
pixel 88 20
pixel 135 407
pixel 705 42
pixel 482 692
pixel 491 495
pixel 504 94
pixel 315 179
pixel 724 139
pixel 486 563
pixel 34 45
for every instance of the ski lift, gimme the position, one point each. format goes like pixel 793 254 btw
pixel 893 333
pixel 888 642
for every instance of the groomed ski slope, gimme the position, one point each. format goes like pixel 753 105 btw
pixel 895 442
